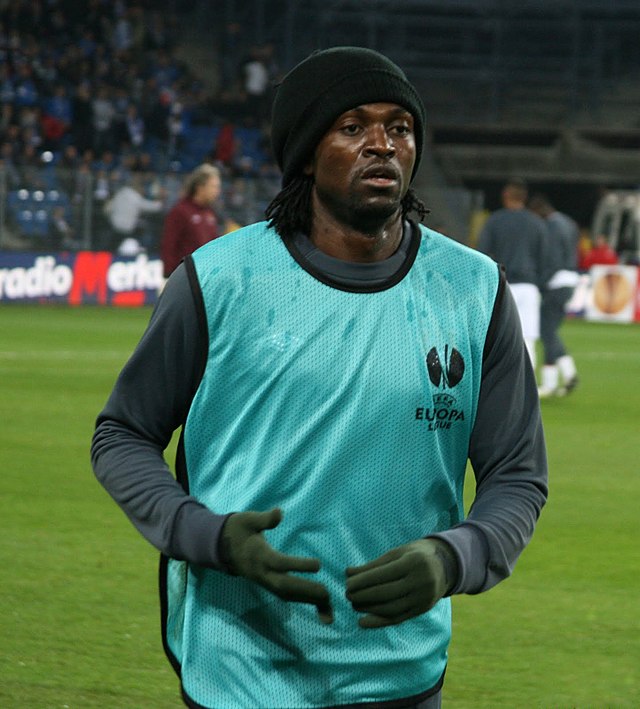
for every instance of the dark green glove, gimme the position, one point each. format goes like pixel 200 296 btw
pixel 246 552
pixel 403 583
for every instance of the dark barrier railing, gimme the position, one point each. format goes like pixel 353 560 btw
pixel 48 208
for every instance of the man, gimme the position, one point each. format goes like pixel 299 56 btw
pixel 191 222
pixel 126 210
pixel 563 265
pixel 332 369
pixel 518 240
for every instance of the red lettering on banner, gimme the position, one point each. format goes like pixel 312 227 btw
pixel 90 276
pixel 128 298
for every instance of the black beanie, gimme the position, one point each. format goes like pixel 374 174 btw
pixel 325 85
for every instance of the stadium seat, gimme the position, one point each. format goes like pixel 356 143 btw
pixel 25 220
pixel 14 200
pixel 41 223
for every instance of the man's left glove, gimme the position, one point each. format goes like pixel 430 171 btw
pixel 403 583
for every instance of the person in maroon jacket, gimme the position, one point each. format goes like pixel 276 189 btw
pixel 191 222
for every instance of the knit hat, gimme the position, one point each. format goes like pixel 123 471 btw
pixel 325 85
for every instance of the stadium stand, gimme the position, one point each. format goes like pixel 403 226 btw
pixel 88 98
pixel 547 89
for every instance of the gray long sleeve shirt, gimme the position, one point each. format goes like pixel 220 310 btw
pixel 518 240
pixel 153 393
pixel 563 251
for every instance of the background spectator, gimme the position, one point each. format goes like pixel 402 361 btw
pixel 600 253
pixel 191 222
pixel 559 374
pixel 103 118
pixel 256 85
pixel 125 211
pixel 519 240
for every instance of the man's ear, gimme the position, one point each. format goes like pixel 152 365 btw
pixel 308 168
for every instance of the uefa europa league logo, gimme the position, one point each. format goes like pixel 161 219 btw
pixel 445 372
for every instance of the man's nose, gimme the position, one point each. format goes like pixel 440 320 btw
pixel 379 142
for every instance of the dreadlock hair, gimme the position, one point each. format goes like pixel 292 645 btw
pixel 412 203
pixel 290 210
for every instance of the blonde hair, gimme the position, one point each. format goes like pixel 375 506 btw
pixel 200 176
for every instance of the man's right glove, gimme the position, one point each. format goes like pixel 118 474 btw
pixel 246 552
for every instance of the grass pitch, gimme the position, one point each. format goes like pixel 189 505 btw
pixel 79 616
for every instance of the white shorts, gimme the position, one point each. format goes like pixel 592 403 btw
pixel 527 297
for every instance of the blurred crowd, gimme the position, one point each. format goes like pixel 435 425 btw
pixel 91 80
pixel 93 94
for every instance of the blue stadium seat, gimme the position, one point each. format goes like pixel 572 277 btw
pixel 57 198
pixel 25 219
pixel 41 222
pixel 38 196
pixel 18 197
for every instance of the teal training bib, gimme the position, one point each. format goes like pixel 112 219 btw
pixel 350 411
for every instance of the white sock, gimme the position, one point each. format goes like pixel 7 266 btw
pixel 550 377
pixel 567 368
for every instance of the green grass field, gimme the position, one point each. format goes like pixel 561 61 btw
pixel 79 611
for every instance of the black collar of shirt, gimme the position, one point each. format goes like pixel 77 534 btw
pixel 352 276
